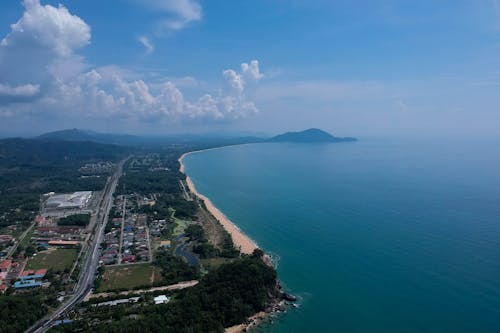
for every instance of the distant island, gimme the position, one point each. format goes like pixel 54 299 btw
pixel 312 135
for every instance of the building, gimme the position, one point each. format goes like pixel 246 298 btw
pixel 6 239
pixel 128 258
pixel 161 299
pixel 26 284
pixel 33 275
pixel 63 243
pixel 165 244
pixel 5 265
pixel 76 200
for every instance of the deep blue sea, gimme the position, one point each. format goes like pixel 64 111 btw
pixel 373 236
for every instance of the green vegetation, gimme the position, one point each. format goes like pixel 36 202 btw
pixel 183 209
pixel 80 220
pixel 58 260
pixel 174 269
pixel 128 277
pixel 19 312
pixel 224 297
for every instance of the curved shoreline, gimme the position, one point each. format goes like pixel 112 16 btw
pixel 240 240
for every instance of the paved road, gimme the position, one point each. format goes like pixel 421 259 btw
pixel 89 270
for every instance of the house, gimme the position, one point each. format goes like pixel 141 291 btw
pixel 128 258
pixel 6 239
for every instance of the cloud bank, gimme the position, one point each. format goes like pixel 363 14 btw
pixel 43 74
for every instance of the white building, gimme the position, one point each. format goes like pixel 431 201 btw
pixel 161 299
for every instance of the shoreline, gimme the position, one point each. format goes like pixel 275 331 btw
pixel 245 244
pixel 241 241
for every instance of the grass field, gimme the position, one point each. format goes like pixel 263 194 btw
pixel 58 259
pixel 213 263
pixel 129 277
pixel 180 226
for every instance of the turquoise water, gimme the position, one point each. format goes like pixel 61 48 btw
pixel 373 236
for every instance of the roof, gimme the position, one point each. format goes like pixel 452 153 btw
pixel 5 264
pixel 63 242
pixel 161 299
pixel 27 284
pixel 29 272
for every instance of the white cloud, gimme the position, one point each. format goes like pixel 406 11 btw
pixel 251 71
pixel 178 13
pixel 147 44
pixel 42 44
pixel 234 79
pixel 48 27
pixel 42 49
pixel 26 90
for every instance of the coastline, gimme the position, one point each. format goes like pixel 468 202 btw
pixel 245 244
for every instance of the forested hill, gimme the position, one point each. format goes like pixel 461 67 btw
pixel 198 141
pixel 50 152
pixel 83 135
pixel 309 136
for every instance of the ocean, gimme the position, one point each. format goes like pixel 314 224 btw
pixel 373 236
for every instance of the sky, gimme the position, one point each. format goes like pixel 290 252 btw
pixel 160 67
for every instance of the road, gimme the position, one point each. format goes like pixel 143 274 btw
pixel 87 277
pixel 122 226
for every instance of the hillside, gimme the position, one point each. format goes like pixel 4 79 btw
pixel 76 134
pixel 311 135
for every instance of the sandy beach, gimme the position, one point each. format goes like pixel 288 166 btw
pixel 240 240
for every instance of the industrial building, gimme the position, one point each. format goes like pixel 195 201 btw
pixel 76 200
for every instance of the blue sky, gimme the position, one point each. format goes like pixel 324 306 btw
pixel 361 68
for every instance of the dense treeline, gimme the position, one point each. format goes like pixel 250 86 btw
pixel 19 312
pixel 174 269
pixel 149 182
pixel 204 249
pixel 185 210
pixel 80 220
pixel 15 152
pixel 29 167
pixel 224 297
pixel 16 207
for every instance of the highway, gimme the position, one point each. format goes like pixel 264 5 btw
pixel 89 269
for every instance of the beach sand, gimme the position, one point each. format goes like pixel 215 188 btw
pixel 240 240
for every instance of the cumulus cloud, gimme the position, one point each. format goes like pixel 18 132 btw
pixel 178 13
pixel 44 74
pixel 249 72
pixel 234 79
pixel 53 29
pixel 149 47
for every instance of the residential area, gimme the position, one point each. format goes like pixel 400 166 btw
pixel 51 244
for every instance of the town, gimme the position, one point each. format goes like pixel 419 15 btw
pixel 118 235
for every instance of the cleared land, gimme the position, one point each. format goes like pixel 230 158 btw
pixel 180 226
pixel 213 263
pixel 58 259
pixel 129 277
